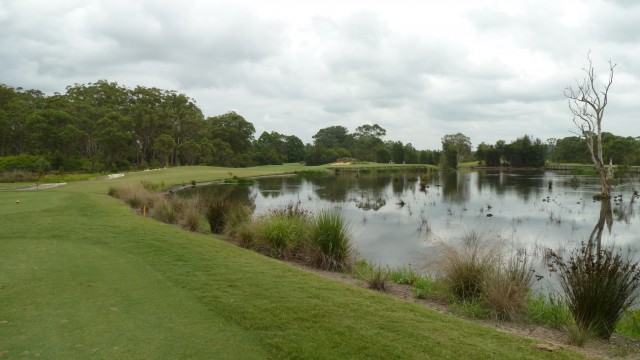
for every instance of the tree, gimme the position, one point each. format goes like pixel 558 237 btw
pixel 232 129
pixel 293 148
pixel 333 137
pixel 164 145
pixel 397 152
pixel 460 142
pixel 525 152
pixel 587 105
pixel 368 138
pixel 410 154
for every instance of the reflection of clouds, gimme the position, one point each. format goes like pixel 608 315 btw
pixel 389 234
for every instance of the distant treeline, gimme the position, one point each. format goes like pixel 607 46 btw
pixel 104 126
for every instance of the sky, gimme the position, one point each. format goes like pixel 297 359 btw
pixel 492 70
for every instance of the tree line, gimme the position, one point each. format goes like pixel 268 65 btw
pixel 104 126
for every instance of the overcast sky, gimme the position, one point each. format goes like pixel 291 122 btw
pixel 420 69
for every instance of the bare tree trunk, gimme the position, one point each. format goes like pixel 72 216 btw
pixel 587 105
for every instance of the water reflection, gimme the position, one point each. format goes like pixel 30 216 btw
pixel 394 222
pixel 606 217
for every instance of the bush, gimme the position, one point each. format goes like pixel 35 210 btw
pixel 330 234
pixel 599 285
pixel 24 162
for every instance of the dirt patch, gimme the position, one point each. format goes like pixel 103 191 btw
pixel 619 347
pixel 341 163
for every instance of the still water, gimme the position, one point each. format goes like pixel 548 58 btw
pixel 396 223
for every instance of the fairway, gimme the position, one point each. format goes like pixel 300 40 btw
pixel 81 276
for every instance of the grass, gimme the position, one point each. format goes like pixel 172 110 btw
pixel 375 276
pixel 81 277
pixel 331 235
pixel 549 311
pixel 629 324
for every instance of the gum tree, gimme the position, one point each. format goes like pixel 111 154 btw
pixel 587 104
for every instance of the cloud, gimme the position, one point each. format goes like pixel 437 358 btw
pixel 422 70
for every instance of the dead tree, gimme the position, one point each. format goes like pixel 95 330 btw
pixel 587 106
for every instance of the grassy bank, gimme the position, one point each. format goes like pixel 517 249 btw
pixel 81 276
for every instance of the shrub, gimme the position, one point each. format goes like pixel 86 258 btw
pixel 330 234
pixel 24 162
pixel 598 286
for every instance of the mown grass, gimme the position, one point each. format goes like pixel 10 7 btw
pixel 81 277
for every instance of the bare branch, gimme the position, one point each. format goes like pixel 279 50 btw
pixel 587 106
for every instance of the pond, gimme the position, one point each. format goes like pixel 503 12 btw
pixel 396 223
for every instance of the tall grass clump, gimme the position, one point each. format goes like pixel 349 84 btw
pixel 215 211
pixel 238 225
pixel 598 285
pixel 506 288
pixel 330 234
pixel 376 277
pixel 191 214
pixel 135 195
pixel 282 233
pixel 465 268
pixel 167 210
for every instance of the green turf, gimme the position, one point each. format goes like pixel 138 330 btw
pixel 81 276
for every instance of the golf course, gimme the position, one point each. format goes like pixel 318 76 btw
pixel 82 276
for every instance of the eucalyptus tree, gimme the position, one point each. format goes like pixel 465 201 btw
pixel 460 143
pixel 184 118
pixel 333 137
pixel 88 104
pixel 368 138
pixel 235 131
